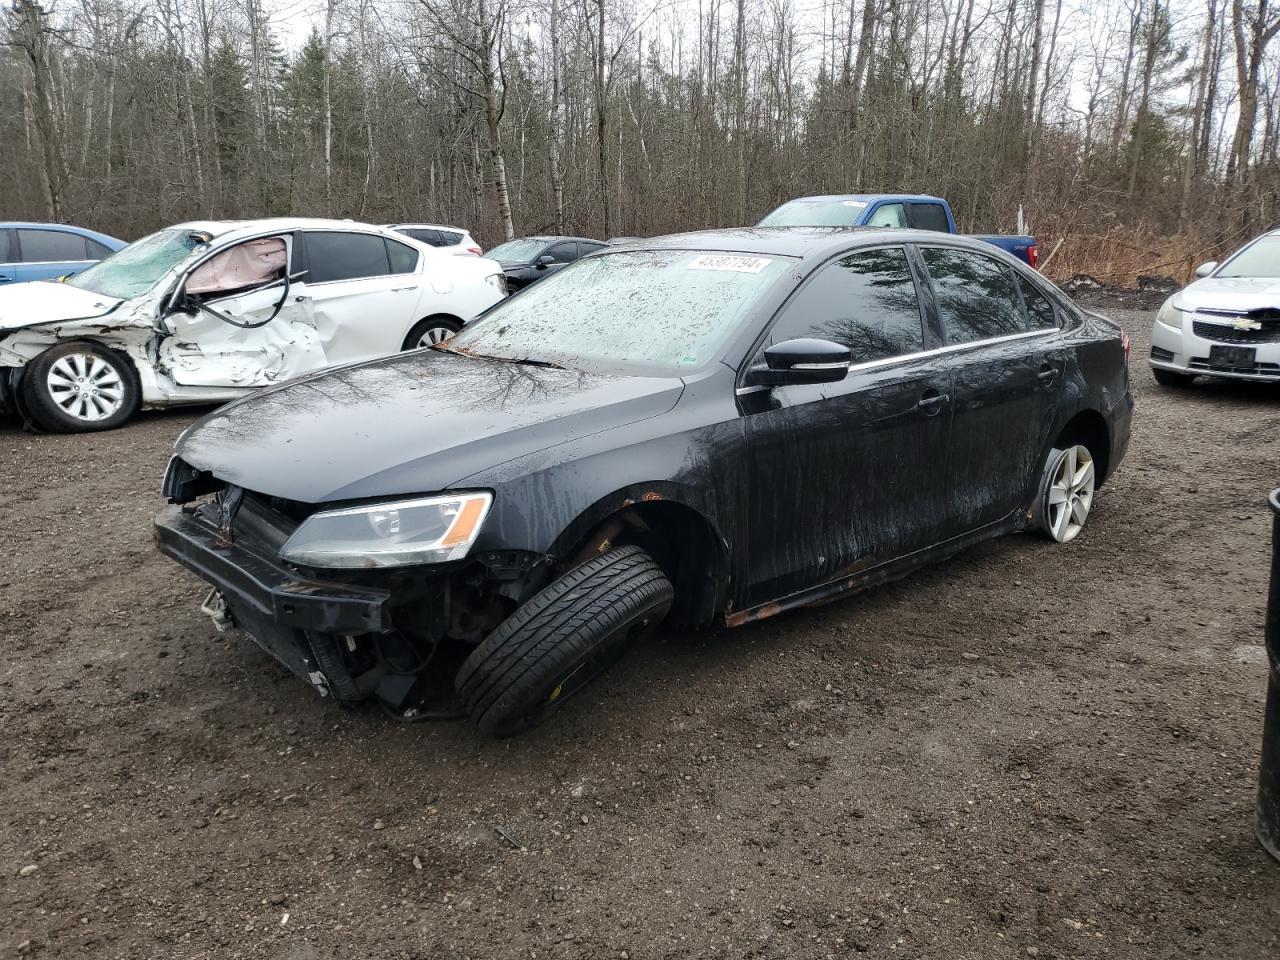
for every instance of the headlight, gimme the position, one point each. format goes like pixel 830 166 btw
pixel 498 281
pixel 1170 315
pixel 394 534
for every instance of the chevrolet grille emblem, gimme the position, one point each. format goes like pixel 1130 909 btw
pixel 1244 323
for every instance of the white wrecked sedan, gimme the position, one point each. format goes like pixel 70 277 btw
pixel 208 311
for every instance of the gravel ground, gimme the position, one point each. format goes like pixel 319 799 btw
pixel 1029 751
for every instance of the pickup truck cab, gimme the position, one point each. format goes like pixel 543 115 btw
pixel 914 210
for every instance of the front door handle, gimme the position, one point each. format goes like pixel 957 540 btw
pixel 1047 374
pixel 932 402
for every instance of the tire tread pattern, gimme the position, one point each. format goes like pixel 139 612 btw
pixel 557 627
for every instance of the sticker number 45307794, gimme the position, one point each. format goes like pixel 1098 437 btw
pixel 721 261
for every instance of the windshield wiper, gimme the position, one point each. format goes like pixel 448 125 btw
pixel 522 361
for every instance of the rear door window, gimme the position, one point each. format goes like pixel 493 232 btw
pixel 345 256
pixel 888 215
pixel 1040 312
pixel 928 216
pixel 50 246
pixel 866 301
pixel 7 253
pixel 977 297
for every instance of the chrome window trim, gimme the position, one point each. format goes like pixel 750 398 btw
pixel 919 355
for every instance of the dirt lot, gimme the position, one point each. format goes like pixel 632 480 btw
pixel 1030 751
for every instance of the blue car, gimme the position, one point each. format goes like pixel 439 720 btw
pixel 42 251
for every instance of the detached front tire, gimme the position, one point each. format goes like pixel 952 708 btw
pixel 562 638
pixel 80 386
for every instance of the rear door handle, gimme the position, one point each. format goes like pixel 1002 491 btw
pixel 1047 374
pixel 402 289
pixel 931 403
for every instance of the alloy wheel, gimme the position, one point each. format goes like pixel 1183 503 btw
pixel 1070 494
pixel 433 335
pixel 85 386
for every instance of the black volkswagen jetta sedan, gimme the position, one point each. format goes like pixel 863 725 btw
pixel 713 427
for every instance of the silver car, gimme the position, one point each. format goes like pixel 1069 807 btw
pixel 1225 324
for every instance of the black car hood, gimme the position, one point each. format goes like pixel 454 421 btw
pixel 408 424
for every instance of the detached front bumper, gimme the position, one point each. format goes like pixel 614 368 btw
pixel 297 621
pixel 1200 347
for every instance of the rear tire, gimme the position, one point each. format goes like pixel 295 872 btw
pixel 428 332
pixel 561 639
pixel 1172 378
pixel 80 386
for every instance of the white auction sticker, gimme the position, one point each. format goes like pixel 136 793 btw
pixel 721 261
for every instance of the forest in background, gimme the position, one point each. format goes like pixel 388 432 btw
pixel 1134 135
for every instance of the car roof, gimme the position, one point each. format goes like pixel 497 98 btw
pixel 865 198
pixel 806 243
pixel 552 238
pixel 218 228
pixel 426 226
pixel 104 238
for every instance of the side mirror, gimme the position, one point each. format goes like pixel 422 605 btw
pixel 800 361
pixel 1206 268
pixel 545 261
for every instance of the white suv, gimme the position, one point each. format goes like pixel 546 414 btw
pixel 453 240
pixel 205 312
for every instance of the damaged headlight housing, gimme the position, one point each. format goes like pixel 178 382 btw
pixel 392 534
pixel 498 281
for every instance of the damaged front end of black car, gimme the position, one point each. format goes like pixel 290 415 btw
pixel 392 627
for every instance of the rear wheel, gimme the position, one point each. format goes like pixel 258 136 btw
pixel 80 386
pixel 1066 492
pixel 562 638
pixel 429 332
pixel 1171 378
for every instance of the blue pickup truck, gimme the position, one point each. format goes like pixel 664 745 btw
pixel 913 210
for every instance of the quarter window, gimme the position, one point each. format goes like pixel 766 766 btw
pixel 97 251
pixel 1040 312
pixel 404 259
pixel 345 256
pixel 976 295
pixel 888 215
pixel 866 301
pixel 49 246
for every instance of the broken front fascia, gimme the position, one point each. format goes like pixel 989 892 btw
pixel 128 327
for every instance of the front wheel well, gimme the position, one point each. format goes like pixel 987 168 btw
pixel 1089 428
pixel 684 544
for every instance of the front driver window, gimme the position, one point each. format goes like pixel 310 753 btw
pixel 246 266
pixel 865 301
pixel 888 215
pixel 563 253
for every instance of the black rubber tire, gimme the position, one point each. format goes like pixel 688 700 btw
pixel 561 639
pixel 422 326
pixel 49 416
pixel 1172 378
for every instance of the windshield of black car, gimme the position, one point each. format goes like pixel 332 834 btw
pixel 135 269
pixel 816 213
pixel 1260 259
pixel 517 251
pixel 666 309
